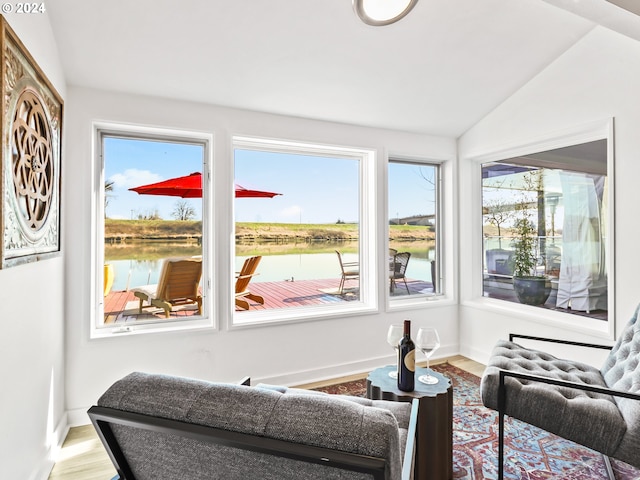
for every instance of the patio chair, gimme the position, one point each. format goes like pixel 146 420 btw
pixel 178 285
pixel 597 408
pixel 242 283
pixel 399 269
pixel 350 271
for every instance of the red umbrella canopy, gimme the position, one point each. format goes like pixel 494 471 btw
pixel 190 186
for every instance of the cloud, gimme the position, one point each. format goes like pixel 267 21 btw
pixel 132 177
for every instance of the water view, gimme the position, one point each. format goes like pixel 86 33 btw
pixel 140 263
pixel 305 203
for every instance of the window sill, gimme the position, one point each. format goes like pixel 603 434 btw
pixel 419 301
pixel 296 315
pixel 567 321
pixel 171 326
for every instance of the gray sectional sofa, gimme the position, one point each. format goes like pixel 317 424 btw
pixel 166 427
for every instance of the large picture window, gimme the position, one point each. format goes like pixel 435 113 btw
pixel 151 239
pixel 301 222
pixel 545 229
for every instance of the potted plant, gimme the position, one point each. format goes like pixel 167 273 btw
pixel 531 287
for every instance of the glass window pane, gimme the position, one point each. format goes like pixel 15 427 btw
pixel 544 226
pixel 143 230
pixel 412 229
pixel 299 235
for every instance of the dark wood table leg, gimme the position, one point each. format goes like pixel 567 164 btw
pixel 434 442
pixel 434 455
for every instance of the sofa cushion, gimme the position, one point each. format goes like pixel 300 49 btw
pixel 401 411
pixel 559 410
pixel 231 407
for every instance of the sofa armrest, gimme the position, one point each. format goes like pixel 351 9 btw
pixel 410 447
pixel 557 340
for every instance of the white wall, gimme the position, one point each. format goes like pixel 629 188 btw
pixel 32 409
pixel 596 79
pixel 284 354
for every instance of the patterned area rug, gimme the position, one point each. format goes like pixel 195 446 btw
pixel 530 453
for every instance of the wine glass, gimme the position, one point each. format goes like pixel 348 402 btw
pixel 428 342
pixel 394 335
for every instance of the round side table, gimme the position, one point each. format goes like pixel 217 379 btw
pixel 434 443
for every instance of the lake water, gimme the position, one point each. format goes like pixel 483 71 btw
pixel 133 272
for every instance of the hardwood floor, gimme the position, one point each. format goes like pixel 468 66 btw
pixel 83 458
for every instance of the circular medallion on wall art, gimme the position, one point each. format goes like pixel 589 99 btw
pixel 32 163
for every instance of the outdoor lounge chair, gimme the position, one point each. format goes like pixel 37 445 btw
pixel 350 270
pixel 242 283
pixel 178 285
pixel 399 269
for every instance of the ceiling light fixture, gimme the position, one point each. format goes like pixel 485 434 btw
pixel 382 12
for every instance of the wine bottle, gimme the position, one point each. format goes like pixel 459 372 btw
pixel 406 360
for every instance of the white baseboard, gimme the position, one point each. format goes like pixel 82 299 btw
pixel 475 354
pixel 78 417
pixel 324 373
pixel 43 470
pixel 343 370
pixel 58 436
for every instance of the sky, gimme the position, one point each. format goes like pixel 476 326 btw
pixel 314 189
pixel 132 163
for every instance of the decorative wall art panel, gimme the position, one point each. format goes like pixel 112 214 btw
pixel 30 163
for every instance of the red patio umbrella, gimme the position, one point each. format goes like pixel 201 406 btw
pixel 190 186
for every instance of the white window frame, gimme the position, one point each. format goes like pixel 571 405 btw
pixel 367 236
pixel 471 252
pixel 207 319
pixel 411 301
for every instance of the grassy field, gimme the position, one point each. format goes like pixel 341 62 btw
pixel 123 230
pixel 151 229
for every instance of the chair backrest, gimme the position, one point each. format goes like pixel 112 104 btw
pixel 621 371
pixel 341 261
pixel 246 274
pixel 157 426
pixel 400 262
pixel 179 278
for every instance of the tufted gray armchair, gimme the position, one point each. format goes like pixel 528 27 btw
pixel 597 408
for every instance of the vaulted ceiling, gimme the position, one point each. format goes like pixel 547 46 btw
pixel 437 71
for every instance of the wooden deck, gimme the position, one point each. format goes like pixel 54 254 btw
pixel 122 306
